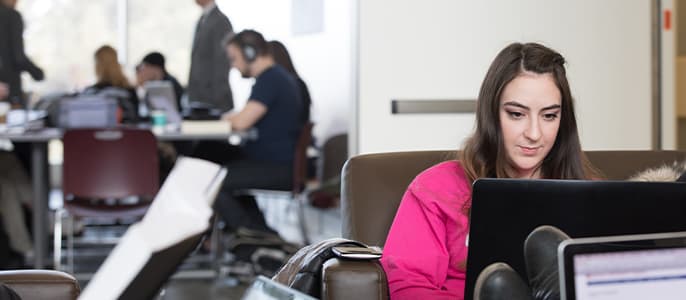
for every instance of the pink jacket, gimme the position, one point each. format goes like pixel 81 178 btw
pixel 426 249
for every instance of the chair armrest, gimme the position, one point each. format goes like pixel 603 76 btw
pixel 353 279
pixel 41 284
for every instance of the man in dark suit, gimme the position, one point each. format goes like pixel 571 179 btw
pixel 208 81
pixel 13 60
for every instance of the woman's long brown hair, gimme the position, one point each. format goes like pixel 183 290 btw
pixel 484 154
pixel 108 69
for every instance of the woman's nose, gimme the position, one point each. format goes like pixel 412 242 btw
pixel 533 132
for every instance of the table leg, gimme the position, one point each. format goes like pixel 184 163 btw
pixel 39 177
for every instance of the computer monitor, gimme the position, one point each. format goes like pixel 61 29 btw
pixel 505 211
pixel 627 267
pixel 160 95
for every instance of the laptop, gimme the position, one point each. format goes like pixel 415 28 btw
pixel 650 266
pixel 505 211
pixel 264 288
pixel 159 95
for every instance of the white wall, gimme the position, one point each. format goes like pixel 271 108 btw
pixel 668 52
pixel 322 59
pixel 411 50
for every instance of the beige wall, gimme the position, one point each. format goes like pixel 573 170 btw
pixel 668 75
pixel 411 50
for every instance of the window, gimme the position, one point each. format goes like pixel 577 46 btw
pixel 164 26
pixel 61 38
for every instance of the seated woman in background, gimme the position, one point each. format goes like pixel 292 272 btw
pixel 281 57
pixel 525 128
pixel 111 78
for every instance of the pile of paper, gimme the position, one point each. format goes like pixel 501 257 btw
pixel 181 209
pixel 206 127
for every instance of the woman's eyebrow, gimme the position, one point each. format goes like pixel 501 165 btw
pixel 516 104
pixel 522 106
pixel 554 106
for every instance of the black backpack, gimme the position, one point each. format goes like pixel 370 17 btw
pixel 303 271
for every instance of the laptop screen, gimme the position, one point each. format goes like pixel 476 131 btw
pixel 160 96
pixel 624 267
pixel 644 274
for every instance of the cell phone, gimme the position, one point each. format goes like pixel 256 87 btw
pixel 354 252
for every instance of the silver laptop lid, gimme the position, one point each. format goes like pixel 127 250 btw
pixel 648 266
pixel 160 95
pixel 266 289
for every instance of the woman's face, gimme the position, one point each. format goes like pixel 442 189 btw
pixel 530 110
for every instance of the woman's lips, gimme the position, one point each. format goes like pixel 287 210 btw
pixel 529 150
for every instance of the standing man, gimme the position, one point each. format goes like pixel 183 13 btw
pixel 208 81
pixel 274 109
pixel 13 60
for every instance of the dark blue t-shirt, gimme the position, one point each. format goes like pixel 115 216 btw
pixel 278 129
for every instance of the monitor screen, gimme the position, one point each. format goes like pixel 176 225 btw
pixel 626 275
pixel 505 211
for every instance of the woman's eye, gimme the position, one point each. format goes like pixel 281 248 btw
pixel 515 114
pixel 550 117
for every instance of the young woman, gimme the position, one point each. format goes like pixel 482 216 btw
pixel 525 128
pixel 281 57
pixel 110 75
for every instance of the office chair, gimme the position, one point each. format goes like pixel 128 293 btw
pixel 102 166
pixel 373 185
pixel 297 191
pixel 333 157
pixel 41 284
pixel 300 176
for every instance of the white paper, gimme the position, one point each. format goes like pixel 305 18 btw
pixel 181 209
pixel 120 267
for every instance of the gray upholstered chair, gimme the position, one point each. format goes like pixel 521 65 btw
pixel 373 185
pixel 41 284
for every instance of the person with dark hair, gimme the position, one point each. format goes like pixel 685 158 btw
pixel 208 81
pixel 274 110
pixel 151 68
pixel 525 128
pixel 281 57
pixel 13 60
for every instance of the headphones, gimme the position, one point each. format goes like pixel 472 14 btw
pixel 249 52
pixel 249 41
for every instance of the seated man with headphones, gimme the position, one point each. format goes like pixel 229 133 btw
pixel 274 109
